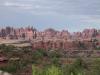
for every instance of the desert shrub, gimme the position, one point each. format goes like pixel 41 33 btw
pixel 36 71
pixel 39 53
pixel 2 46
pixel 55 61
pixel 6 48
pixel 11 68
pixel 54 57
pixel 76 68
pixel 53 70
pixel 53 54
pixel 79 63
pixel 95 68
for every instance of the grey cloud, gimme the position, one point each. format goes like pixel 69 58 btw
pixel 66 7
pixel 83 10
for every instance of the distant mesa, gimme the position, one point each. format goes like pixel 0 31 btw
pixel 50 38
pixel 30 33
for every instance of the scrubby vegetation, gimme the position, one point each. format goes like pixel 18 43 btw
pixel 15 60
pixel 79 67
pixel 45 62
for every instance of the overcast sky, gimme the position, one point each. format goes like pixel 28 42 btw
pixel 74 15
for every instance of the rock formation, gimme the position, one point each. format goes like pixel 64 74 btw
pixel 17 33
pixel 53 39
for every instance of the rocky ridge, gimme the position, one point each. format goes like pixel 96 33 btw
pixel 54 39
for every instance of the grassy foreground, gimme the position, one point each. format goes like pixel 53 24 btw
pixel 20 60
pixel 79 66
pixel 74 69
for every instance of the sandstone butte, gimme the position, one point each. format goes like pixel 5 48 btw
pixel 53 39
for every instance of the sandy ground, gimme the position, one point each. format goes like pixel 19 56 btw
pixel 3 41
pixel 14 42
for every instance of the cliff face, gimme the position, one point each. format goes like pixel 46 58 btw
pixel 18 33
pixel 52 39
pixel 32 33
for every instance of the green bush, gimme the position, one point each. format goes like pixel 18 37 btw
pixel 38 54
pixel 6 48
pixel 34 70
pixel 37 71
pixel 10 68
pixel 54 54
pixel 53 70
